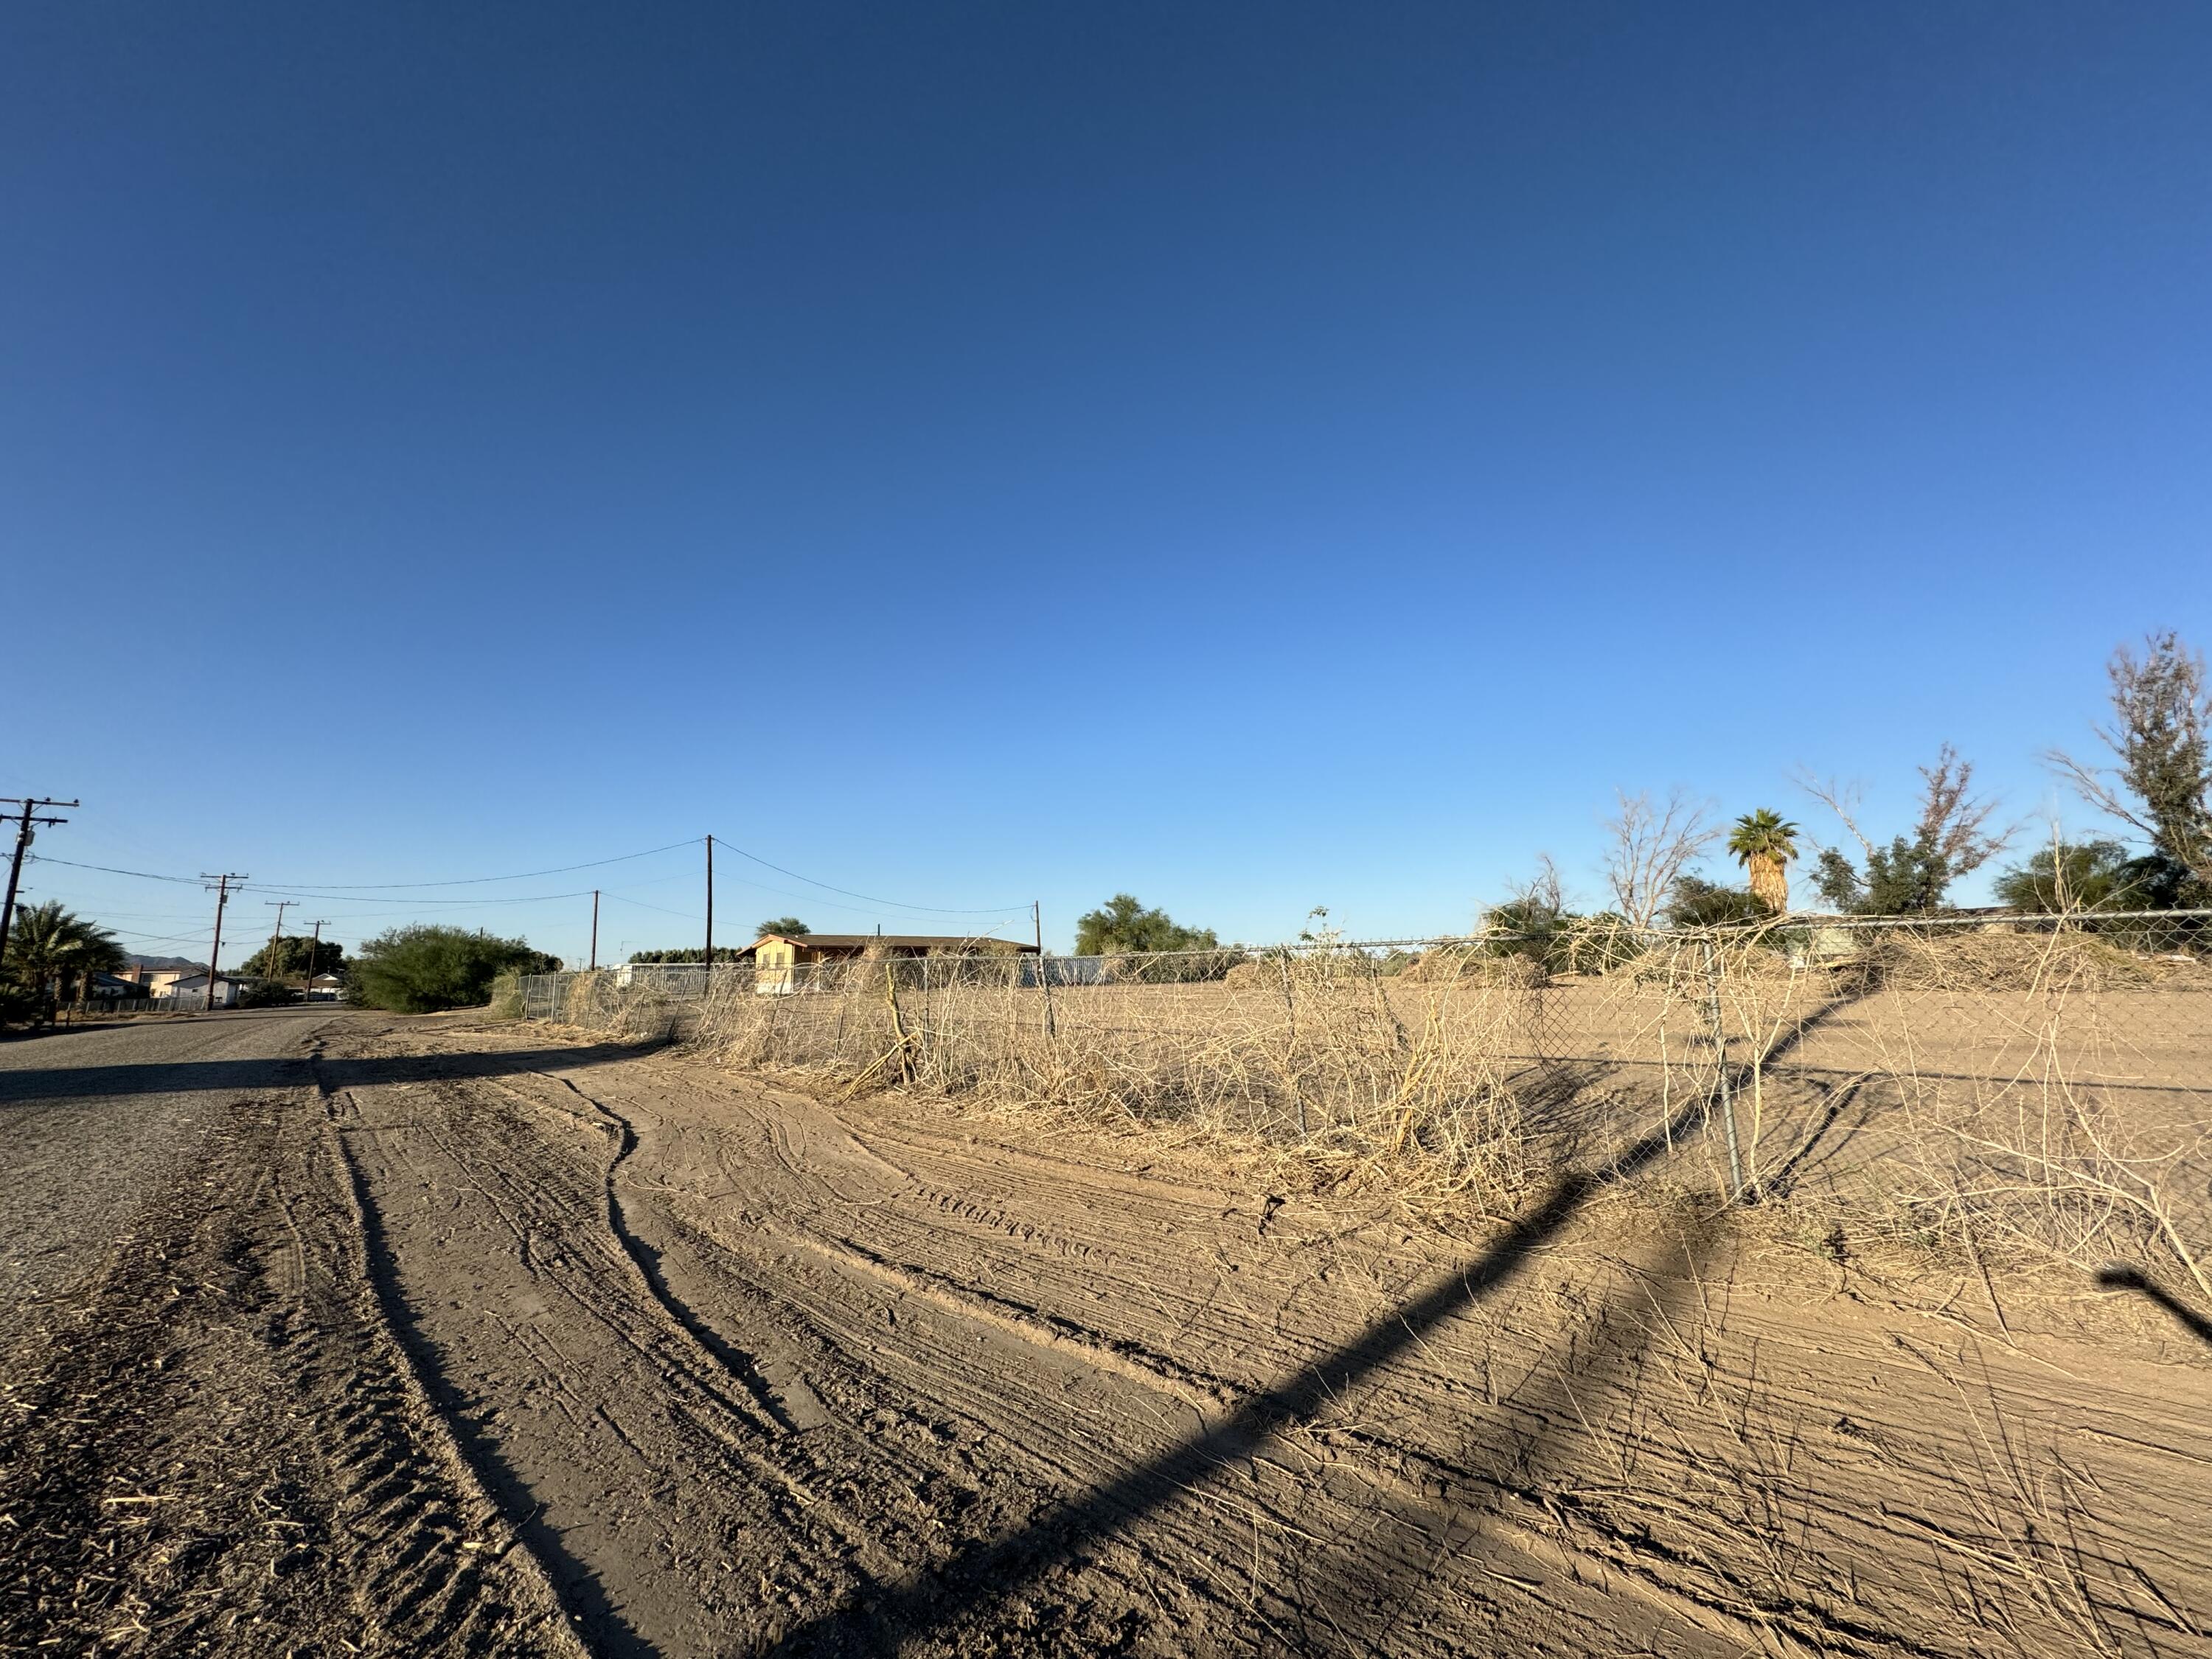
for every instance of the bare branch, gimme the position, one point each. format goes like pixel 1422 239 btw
pixel 1951 820
pixel 2093 784
pixel 1542 894
pixel 1841 799
pixel 1651 847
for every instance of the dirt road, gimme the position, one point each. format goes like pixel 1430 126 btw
pixel 326 1333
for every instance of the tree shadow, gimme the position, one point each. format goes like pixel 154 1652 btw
pixel 2119 1276
pixel 990 1570
pixel 62 1082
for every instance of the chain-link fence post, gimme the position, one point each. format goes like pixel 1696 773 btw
pixel 1726 1096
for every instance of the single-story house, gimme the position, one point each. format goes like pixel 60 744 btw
pixel 325 987
pixel 193 987
pixel 781 960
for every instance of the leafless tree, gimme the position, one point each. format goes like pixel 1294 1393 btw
pixel 1653 843
pixel 1841 799
pixel 1535 901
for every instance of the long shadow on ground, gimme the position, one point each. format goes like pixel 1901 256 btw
pixel 247 1076
pixel 990 1571
pixel 2118 1276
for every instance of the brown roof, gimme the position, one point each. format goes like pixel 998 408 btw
pixel 900 941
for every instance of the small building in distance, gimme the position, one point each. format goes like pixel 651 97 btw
pixel 191 989
pixel 781 961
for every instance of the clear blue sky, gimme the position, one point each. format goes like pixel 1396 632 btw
pixel 1253 456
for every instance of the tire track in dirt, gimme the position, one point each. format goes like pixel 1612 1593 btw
pixel 1069 1343
pixel 417 1392
pixel 861 1406
pixel 739 1365
pixel 216 1441
pixel 702 1476
pixel 1613 1457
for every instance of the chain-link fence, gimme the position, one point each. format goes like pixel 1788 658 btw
pixel 2019 1074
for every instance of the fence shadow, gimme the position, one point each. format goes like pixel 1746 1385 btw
pixel 890 1616
pixel 2118 1276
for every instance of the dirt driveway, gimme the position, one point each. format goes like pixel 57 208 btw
pixel 326 1333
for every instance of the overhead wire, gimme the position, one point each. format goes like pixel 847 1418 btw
pixel 108 869
pixel 352 893
pixel 473 881
pixel 895 904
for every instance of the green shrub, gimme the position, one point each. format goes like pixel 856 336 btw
pixel 1697 902
pixel 422 968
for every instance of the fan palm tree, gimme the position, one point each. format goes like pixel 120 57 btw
pixel 1763 843
pixel 50 948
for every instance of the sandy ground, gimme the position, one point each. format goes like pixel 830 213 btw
pixel 324 1333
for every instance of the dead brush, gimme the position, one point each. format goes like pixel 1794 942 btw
pixel 641 1011
pixel 2059 1141
pixel 1989 1088
pixel 1316 1050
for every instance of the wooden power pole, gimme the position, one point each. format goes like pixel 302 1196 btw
pixel 24 835
pixel 595 930
pixel 710 913
pixel 314 950
pixel 221 891
pixel 276 934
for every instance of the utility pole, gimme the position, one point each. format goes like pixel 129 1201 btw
pixel 315 949
pixel 221 891
pixel 276 935
pixel 1044 979
pixel 595 932
pixel 24 835
pixel 710 913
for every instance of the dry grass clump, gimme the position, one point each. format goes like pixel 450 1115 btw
pixel 2050 1169
pixel 1448 964
pixel 2061 959
pixel 1322 1051
pixel 647 1009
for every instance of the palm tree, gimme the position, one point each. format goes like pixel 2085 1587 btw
pixel 1763 843
pixel 49 948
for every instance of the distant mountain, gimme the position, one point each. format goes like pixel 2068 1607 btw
pixel 162 964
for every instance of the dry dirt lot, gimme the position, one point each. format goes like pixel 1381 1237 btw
pixel 325 1333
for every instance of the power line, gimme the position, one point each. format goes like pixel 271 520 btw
pixel 417 904
pixel 470 881
pixel 339 892
pixel 895 904
pixel 685 915
pixel 109 870
pixel 377 886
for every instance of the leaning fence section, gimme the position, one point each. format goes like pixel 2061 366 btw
pixel 2027 1077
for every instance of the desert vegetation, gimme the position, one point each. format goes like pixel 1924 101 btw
pixel 2030 1092
pixel 421 970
